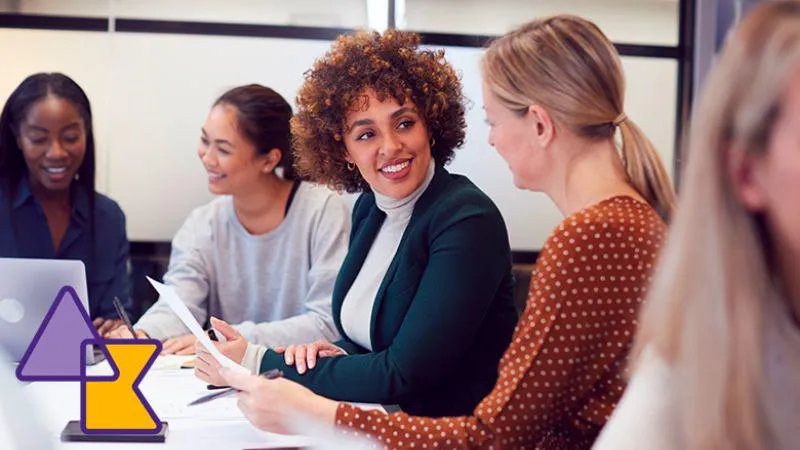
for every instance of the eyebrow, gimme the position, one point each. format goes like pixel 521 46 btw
pixel 217 141
pixel 45 130
pixel 394 115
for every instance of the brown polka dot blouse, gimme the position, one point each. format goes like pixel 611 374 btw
pixel 562 374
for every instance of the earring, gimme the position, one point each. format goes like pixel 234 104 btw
pixel 433 142
pixel 351 167
pixel 76 177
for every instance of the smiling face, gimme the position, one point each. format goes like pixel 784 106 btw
pixel 389 144
pixel 52 137
pixel 232 162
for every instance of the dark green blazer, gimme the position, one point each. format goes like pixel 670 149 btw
pixel 443 315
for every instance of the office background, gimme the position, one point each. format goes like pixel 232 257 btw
pixel 152 68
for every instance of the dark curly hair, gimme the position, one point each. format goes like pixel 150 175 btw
pixel 393 66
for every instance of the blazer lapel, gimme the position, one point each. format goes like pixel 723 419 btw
pixel 356 254
pixel 428 198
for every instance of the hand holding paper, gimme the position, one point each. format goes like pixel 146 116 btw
pixel 169 295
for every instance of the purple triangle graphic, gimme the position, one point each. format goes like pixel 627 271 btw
pixel 56 353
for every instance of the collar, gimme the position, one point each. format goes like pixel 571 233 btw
pixel 79 198
pixel 23 192
pixel 392 206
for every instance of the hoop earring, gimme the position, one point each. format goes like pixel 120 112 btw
pixel 433 142
pixel 351 167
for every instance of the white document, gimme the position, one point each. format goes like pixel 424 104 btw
pixel 169 295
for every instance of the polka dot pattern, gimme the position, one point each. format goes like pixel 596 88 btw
pixel 563 372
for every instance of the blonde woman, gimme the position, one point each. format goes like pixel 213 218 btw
pixel 720 345
pixel 553 95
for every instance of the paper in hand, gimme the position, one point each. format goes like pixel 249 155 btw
pixel 169 295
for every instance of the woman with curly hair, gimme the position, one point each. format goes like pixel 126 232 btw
pixel 424 296
pixel 553 93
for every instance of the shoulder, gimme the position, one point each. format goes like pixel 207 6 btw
pixel 460 190
pixel 616 228
pixel 458 199
pixel 106 209
pixel 213 211
pixel 316 198
pixel 204 219
pixel 361 209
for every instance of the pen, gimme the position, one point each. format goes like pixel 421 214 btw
pixel 270 375
pixel 124 316
pixel 212 335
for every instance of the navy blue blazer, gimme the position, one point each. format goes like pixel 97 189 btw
pixel 443 314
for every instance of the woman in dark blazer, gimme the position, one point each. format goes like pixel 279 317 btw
pixel 424 297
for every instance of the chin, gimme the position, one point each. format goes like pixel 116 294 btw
pixel 58 187
pixel 217 190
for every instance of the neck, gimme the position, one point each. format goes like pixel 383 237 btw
pixel 388 204
pixel 45 195
pixel 592 173
pixel 266 198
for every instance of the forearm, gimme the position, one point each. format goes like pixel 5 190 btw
pixel 399 430
pixel 159 322
pixel 367 378
pixel 302 329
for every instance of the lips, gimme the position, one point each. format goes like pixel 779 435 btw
pixel 396 170
pixel 215 177
pixel 57 174
pixel 395 166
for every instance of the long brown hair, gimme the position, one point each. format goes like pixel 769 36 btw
pixel 567 65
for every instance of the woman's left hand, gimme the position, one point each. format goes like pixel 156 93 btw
pixel 265 403
pixel 206 366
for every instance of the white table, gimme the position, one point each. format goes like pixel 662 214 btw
pixel 218 424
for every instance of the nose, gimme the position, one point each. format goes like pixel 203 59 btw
pixel 205 154
pixel 391 144
pixel 56 151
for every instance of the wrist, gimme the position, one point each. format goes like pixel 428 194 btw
pixel 325 410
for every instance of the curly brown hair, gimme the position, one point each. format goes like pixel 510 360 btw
pixel 392 66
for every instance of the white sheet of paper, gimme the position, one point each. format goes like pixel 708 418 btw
pixel 169 295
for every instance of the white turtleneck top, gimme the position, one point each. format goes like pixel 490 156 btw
pixel 356 315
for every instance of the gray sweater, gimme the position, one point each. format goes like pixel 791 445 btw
pixel 275 287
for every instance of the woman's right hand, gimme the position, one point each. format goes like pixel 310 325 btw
pixel 235 344
pixel 206 367
pixel 305 356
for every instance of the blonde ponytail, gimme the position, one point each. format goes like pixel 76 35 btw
pixel 645 171
pixel 567 65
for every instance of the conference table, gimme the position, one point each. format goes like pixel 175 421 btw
pixel 217 424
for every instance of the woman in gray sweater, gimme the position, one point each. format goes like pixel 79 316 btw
pixel 265 254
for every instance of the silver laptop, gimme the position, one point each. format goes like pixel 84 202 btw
pixel 28 288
